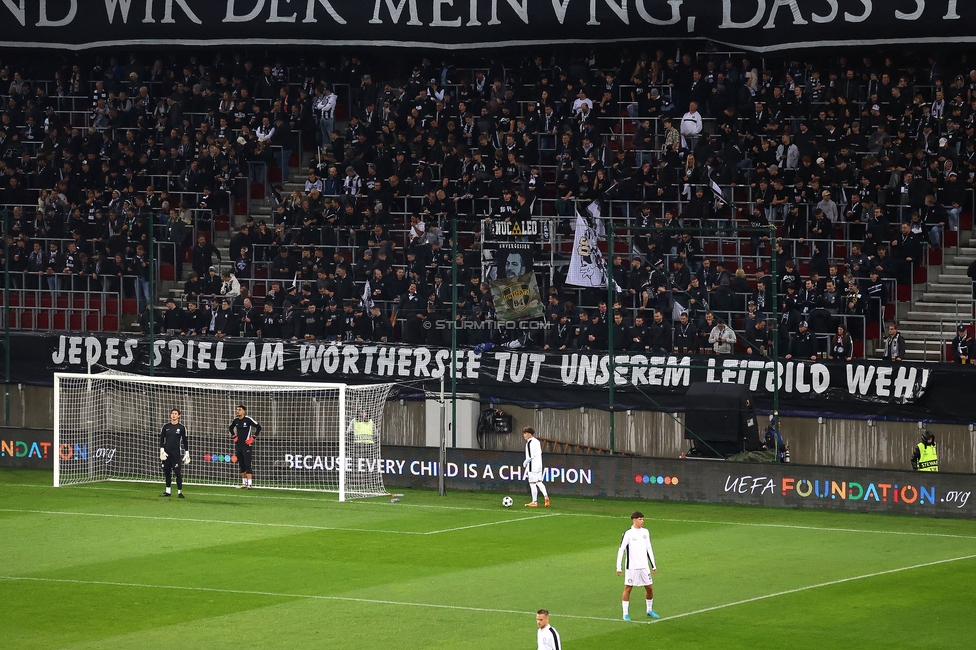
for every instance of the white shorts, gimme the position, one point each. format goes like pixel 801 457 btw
pixel 533 477
pixel 637 577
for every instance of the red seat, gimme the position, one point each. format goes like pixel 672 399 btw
pixel 920 275
pixel 872 331
pixel 965 221
pixel 904 293
pixel 749 267
pixel 78 302
pixel 729 248
pixel 711 248
pixel 110 323
pixel 858 349
pixel 46 300
pixel 258 290
pixel 12 315
pixel 112 305
pixel 95 302
pixel 59 321
pixel 130 306
pixel 30 299
pixel 43 321
pixel 935 257
pixel 14 300
pixel 62 302
pixel 167 272
pixel 889 313
pixel 804 269
pixel 951 238
pixel 840 251
pixel 26 320
pixel 74 320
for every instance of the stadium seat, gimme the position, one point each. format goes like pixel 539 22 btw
pixel 889 313
pixel 749 267
pixel 711 248
pixel 872 331
pixel 95 302
pixel 920 275
pixel 26 320
pixel 858 349
pixel 14 300
pixel 74 322
pixel 130 306
pixel 112 304
pixel 78 302
pixel 30 299
pixel 59 321
pixel 935 257
pixel 110 323
pixel 91 323
pixel 965 221
pixel 47 300
pixel 840 251
pixel 62 302
pixel 167 272
pixel 904 293
pixel 950 239
pixel 43 321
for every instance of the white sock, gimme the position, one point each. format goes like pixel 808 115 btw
pixel 626 605
pixel 535 492
pixel 248 482
pixel 542 488
pixel 243 481
pixel 650 604
pixel 168 490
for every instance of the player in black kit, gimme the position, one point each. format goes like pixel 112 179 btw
pixel 173 449
pixel 243 430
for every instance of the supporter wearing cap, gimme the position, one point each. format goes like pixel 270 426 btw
pixel 963 346
pixel 804 344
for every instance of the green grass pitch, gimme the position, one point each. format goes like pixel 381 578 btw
pixel 111 565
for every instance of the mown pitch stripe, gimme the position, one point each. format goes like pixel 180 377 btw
pixel 817 586
pixel 271 524
pixel 357 503
pixel 486 610
pixel 275 594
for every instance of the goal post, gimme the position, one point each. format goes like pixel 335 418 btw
pixel 315 436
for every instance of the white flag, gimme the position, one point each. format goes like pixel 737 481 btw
pixel 587 267
pixel 597 214
pixel 367 298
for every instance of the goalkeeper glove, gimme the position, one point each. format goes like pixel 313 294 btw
pixel 162 454
pixel 186 457
pixel 235 438
pixel 249 442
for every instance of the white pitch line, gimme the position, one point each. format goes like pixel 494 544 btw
pixel 817 586
pixel 309 596
pixel 213 521
pixel 270 524
pixel 788 526
pixel 492 523
pixel 357 503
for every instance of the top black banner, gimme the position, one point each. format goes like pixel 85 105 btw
pixel 755 25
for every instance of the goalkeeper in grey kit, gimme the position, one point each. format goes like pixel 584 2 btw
pixel 174 452
pixel 243 430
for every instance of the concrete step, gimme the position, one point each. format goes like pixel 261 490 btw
pixel 928 328
pixel 961 279
pixel 940 287
pixel 949 309
pixel 934 317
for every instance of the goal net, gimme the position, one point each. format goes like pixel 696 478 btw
pixel 314 436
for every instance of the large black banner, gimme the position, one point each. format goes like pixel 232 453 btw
pixel 762 25
pixel 697 481
pixel 863 389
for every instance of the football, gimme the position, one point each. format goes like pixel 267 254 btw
pixel 507 502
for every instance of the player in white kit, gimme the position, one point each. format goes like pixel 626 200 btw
pixel 635 545
pixel 533 467
pixel 547 636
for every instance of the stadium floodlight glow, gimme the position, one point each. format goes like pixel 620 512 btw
pixel 315 436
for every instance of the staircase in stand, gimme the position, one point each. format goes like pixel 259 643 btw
pixel 946 302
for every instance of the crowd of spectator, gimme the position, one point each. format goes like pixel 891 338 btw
pixel 875 156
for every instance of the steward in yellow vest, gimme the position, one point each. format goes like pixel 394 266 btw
pixel 924 457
